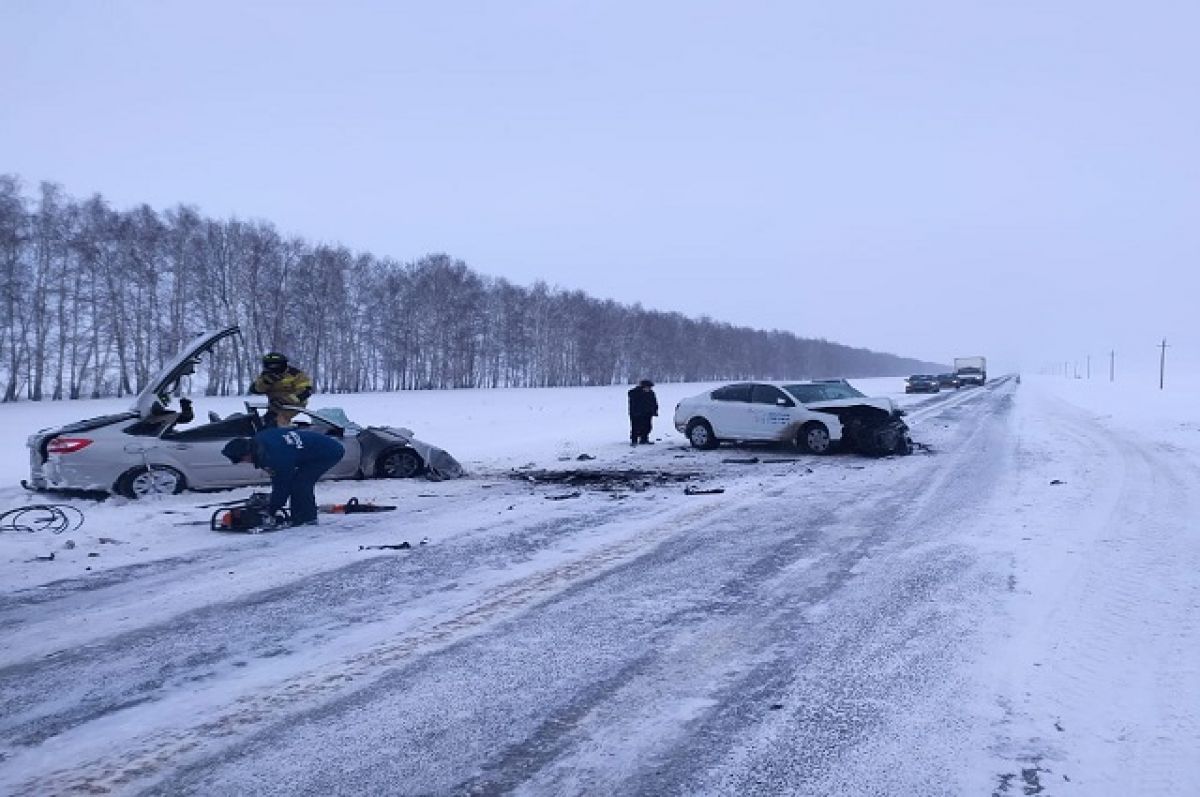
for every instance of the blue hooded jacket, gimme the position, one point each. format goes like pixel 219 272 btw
pixel 285 451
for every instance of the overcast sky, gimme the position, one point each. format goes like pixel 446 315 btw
pixel 1015 179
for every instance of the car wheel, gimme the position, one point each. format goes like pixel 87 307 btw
pixel 814 438
pixel 399 463
pixel 700 434
pixel 155 480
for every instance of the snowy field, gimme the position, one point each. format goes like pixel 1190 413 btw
pixel 1015 609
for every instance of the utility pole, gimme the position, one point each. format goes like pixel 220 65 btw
pixel 1089 366
pixel 1112 365
pixel 1162 363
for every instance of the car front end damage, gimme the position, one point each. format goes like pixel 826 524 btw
pixel 873 427
pixel 377 441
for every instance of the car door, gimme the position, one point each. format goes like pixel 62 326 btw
pixel 770 413
pixel 350 463
pixel 342 430
pixel 730 414
pixel 198 453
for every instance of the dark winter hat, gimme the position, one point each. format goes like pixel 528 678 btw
pixel 274 358
pixel 237 449
pixel 645 383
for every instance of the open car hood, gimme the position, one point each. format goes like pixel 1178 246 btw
pixel 184 363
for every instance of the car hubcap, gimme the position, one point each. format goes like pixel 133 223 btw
pixel 155 481
pixel 699 436
pixel 818 440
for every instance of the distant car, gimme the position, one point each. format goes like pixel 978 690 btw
pixel 814 416
pixel 147 450
pixel 922 383
pixel 948 380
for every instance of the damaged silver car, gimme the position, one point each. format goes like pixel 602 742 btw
pixel 151 449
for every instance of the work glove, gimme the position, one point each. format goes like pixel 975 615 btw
pixel 185 402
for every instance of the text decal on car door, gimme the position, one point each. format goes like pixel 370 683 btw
pixel 293 439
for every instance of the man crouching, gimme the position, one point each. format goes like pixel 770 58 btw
pixel 296 460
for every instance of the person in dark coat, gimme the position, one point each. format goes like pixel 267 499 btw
pixel 296 459
pixel 643 406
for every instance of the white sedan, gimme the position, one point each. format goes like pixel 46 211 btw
pixel 812 415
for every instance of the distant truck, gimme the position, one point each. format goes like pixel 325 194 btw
pixel 970 370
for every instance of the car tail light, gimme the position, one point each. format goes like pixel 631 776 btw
pixel 68 445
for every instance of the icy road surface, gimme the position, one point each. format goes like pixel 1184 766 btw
pixel 1014 611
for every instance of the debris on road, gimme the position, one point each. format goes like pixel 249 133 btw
pixel 608 480
pixel 1057 481
pixel 741 460
pixel 400 546
pixel 689 490
pixel 564 496
pixel 55 518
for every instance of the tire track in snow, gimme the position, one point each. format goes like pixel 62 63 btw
pixel 144 757
pixel 1121 628
pixel 168 749
pixel 738 597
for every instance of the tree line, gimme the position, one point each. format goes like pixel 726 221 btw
pixel 93 300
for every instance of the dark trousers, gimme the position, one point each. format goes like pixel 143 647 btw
pixel 639 428
pixel 302 503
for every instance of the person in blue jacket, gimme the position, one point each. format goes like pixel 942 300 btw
pixel 296 459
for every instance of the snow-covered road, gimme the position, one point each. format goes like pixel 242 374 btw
pixel 947 623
